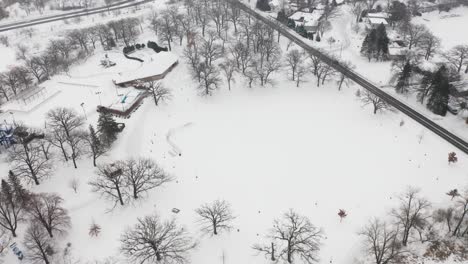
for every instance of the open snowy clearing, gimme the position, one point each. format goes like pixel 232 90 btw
pixel 264 150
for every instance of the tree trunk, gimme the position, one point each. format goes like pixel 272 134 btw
pixel 119 194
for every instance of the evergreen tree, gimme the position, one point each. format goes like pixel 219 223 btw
pixel 282 17
pixel 381 42
pixel 403 79
pixel 263 5
pixel 368 47
pixel 95 144
pixel 22 194
pixel 291 23
pixel 11 208
pixel 301 31
pixel 108 128
pixel 439 94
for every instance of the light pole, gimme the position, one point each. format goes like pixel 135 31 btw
pixel 84 112
pixel 13 117
pixel 99 96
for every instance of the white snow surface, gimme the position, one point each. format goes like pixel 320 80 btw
pixel 264 150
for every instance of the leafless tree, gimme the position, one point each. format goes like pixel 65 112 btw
pixel 166 28
pixel 29 163
pixel 430 44
pixel 6 240
pixel 381 242
pixel 415 34
pixel 46 209
pixel 158 91
pixel 209 79
pixel 293 58
pixel 458 56
pixel 215 217
pixel 110 183
pixel 12 205
pixel 57 138
pixel 228 69
pixel 210 51
pixel 300 72
pixel 264 69
pixel 65 122
pixel 297 237
pixel 79 37
pixel 411 214
pixel 461 225
pixel 357 10
pixel 39 245
pixel 368 97
pixel 153 241
pixel 142 175
pixel 342 78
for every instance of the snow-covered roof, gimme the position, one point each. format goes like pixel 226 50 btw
pixel 125 101
pixel 377 20
pixel 306 19
pixel 377 15
pixel 156 65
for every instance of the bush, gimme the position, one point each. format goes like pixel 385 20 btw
pixel 154 46
pixel 317 38
pixel 138 46
pixel 128 49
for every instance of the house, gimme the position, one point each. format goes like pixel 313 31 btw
pixel 310 21
pixel 374 20
pixel 158 66
pixel 396 51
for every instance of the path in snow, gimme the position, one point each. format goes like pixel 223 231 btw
pixel 175 149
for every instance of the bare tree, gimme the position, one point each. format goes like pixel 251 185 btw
pixel 378 103
pixel 415 34
pixel 458 56
pixel 298 237
pixel 158 91
pixel 29 163
pixel 12 204
pixel 39 245
pixel 152 240
pixel 300 72
pixel 46 209
pixel 74 184
pixel 142 175
pixel 166 28
pixel 215 217
pixel 430 44
pixel 96 146
pixel 342 78
pixel 228 69
pixel 110 183
pixel 209 79
pixel 462 216
pixel 66 122
pixel 411 213
pixel 210 51
pixel 293 58
pixel 381 242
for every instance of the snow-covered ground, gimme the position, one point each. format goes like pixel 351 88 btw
pixel 448 26
pixel 265 150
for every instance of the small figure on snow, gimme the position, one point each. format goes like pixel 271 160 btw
pixel 94 230
pixel 342 214
pixel 452 157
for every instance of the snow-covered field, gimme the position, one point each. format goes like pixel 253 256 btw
pixel 264 150
pixel 447 26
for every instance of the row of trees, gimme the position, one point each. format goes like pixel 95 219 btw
pixel 32 157
pixel 415 221
pixel 124 180
pixel 43 211
pixel 61 53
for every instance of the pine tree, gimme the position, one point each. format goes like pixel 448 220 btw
pixel 95 144
pixel 369 44
pixel 23 196
pixel 403 79
pixel 439 95
pixel 381 42
pixel 263 5
pixel 108 128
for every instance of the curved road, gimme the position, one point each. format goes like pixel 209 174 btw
pixel 359 79
pixel 84 12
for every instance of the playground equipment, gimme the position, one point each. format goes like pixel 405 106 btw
pixel 106 63
pixel 7 135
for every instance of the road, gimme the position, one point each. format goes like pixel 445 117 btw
pixel 359 79
pixel 68 15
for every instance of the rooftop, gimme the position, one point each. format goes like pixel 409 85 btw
pixel 156 64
